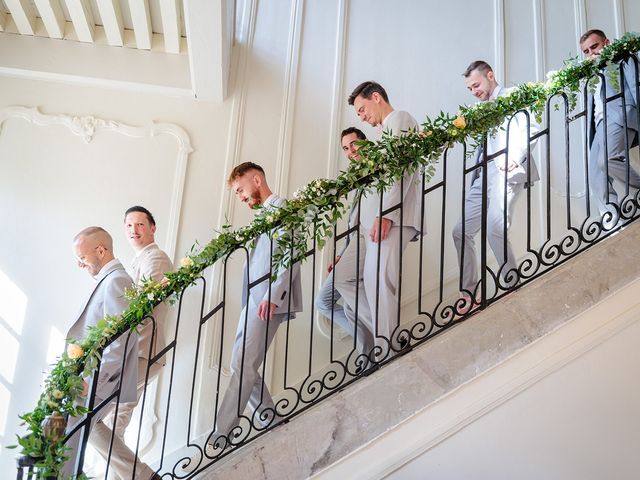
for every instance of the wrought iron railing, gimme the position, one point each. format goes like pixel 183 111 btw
pixel 553 220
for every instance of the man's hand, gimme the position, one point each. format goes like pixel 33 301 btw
pixel 331 265
pixel 508 167
pixel 85 388
pixel 266 309
pixel 380 229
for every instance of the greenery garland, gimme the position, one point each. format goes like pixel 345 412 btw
pixel 320 203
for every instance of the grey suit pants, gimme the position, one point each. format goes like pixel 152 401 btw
pixel 497 205
pixel 602 185
pixel 381 294
pixel 246 387
pixel 328 295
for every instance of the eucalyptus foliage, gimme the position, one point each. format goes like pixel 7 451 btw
pixel 311 214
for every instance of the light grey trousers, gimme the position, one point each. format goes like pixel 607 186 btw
pixel 378 308
pixel 246 387
pixel 599 182
pixel 326 302
pixel 497 205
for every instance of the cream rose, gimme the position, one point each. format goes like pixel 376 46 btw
pixel 186 262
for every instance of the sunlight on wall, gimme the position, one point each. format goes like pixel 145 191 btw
pixel 13 306
pixel 4 407
pixel 8 353
pixel 56 345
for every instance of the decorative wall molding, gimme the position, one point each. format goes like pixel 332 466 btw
pixel 323 325
pixel 86 127
pixel 283 155
pixel 540 48
pixel 338 88
pixel 580 14
pixel 499 53
pixel 618 14
pixel 238 92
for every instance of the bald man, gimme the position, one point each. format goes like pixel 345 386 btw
pixel 93 250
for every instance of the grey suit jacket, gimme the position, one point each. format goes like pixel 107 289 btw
pixel 352 220
pixel 409 190
pixel 614 108
pixel 517 137
pixel 287 283
pixel 151 263
pixel 107 298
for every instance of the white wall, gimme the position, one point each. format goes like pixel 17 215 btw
pixel 295 62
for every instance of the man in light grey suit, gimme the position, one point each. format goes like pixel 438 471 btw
pixel 93 249
pixel 328 296
pixel 265 306
pixel 507 174
pixel 618 134
pixel 384 232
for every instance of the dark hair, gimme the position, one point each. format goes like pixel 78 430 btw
pixel 366 89
pixel 138 208
pixel 243 168
pixel 593 31
pixel 350 130
pixel 479 65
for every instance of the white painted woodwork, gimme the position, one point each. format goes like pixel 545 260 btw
pixel 23 15
pixel 3 20
pixel 82 19
pixel 112 21
pixel 101 66
pixel 141 23
pixel 209 25
pixel 170 12
pixel 52 16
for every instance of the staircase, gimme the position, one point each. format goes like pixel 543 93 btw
pixel 411 405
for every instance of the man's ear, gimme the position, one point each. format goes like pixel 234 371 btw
pixel 257 180
pixel 376 97
pixel 491 76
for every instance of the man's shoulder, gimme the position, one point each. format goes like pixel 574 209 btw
pixel 117 276
pixel 399 121
pixel 277 201
pixel 154 252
